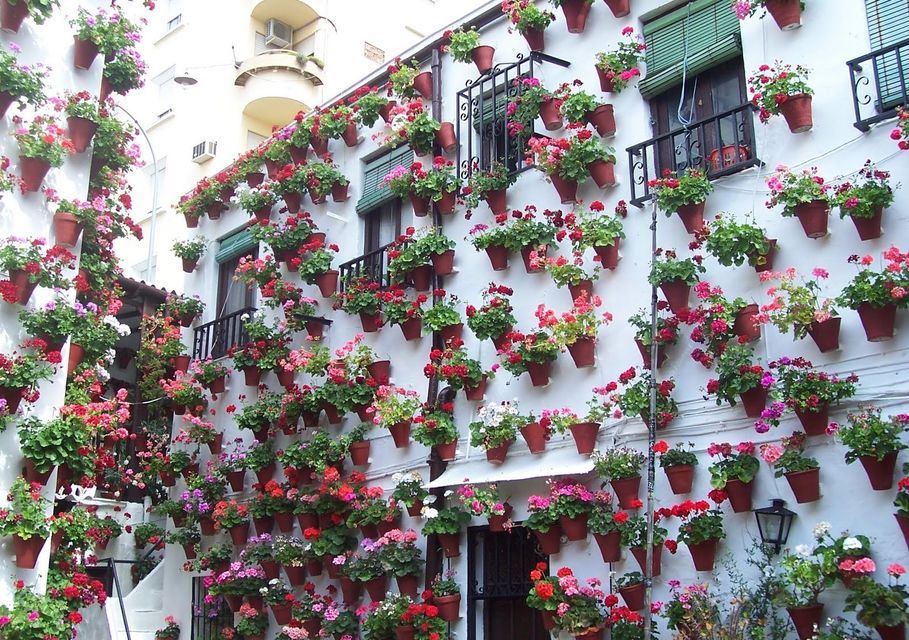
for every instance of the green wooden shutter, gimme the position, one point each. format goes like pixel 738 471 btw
pixel 374 192
pixel 235 246
pixel 888 24
pixel 711 31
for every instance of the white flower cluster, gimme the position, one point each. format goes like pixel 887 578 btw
pixel 821 529
pixel 494 414
pixel 410 476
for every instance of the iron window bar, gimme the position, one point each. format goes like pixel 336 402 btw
pixel 885 90
pixel 213 339
pixel 372 265
pixel 682 148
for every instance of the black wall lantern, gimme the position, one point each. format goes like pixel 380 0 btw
pixel 774 523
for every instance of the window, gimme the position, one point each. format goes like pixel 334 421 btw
pixel 481 124
pixel 164 82
pixel 208 619
pixel 173 15
pixel 262 47
pixel 498 581
pixel 306 46
pixel 156 173
pixel 888 25
pixel 253 139
pixel 383 225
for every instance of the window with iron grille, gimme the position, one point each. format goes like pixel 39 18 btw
pixel 208 619
pixel 888 25
pixel 498 581
pixel 481 108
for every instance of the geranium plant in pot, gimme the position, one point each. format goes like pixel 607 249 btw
pixel 435 427
pixel 447 523
pixel 864 200
pixel 802 577
pixel 459 371
pixel 605 524
pixel 797 306
pixel 494 319
pixel 567 272
pixel 394 408
pixel 882 606
pixel 589 228
pixel 401 310
pixel 409 492
pixel 20 374
pixel 464 46
pixel 621 466
pixel 586 614
pixel 569 161
pixel 532 100
pixel 718 320
pixel 170 631
pixel 489 184
pixel 527 234
pixel 437 247
pixel 576 329
pixel 485 502
pixel 674 277
pixel 738 376
pixel 190 252
pixel 875 442
pixel 29 264
pixel 803 194
pixel 25 520
pixel 735 243
pixel 439 184
pixel 529 20
pixel 684 194
pixel 733 473
pixel 124 73
pixel 19 82
pixel 544 523
pixel 581 107
pixel 546 594
pixel 361 297
pixel 619 66
pixel 496 429
pixel 634 537
pixel 667 333
pixel 446 595
pixel 786 13
pixel 782 89
pixel 876 295
pixel 789 459
pixel 678 463
pixel 42 145
pixel 82 117
pixel 633 399
pixel 47 445
pixel 701 530
pixel 572 502
pixel 532 353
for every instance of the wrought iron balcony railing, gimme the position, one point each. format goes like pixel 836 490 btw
pixel 721 144
pixel 880 83
pixel 214 338
pixel 372 265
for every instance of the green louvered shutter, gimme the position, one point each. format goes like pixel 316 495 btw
pixel 888 24
pixel 711 31
pixel 235 246
pixel 374 192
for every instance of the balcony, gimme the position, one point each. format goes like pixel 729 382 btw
pixel 213 339
pixel 372 265
pixel 279 60
pixel 721 144
pixel 296 13
pixel 880 83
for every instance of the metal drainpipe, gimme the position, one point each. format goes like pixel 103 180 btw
pixel 436 466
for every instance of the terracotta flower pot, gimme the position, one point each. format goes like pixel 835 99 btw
pixel 327 283
pixel 826 334
pixel 254 179
pixel 550 115
pixel 767 258
pixel 644 350
pixel 292 201
pixel 539 372
pixel 451 544
pixel 548 619
pixel 619 8
pixel 585 436
pixel 380 370
pixel 626 490
pixel 407 585
pixel 449 606
pixel 412 329
pixel 814 422
pixel 81 132
pixel 576 12
pixel 446 137
pixel 423 84
pixel 813 217
pixel 319 146
pixel 584 286
pixel 608 255
pixel 692 216
pixel 281 613
pixel 574 528
pixel 477 393
pixel 640 555
pixel 237 479
pixel 681 477
pixel 894 632
pixel 405 632
pixel 797 112
pixel 903 522
pixel 805 619
pixel 869 228
pixel 703 554
pixel 350 136
pixel 497 201
pixel 446 204
pixel 567 189
pixel 754 400
pixel 610 545
pixel 359 453
pixel 12 15
pixel 498 257
pixel 746 325
pixel 739 494
pixel 633 596
pixel 400 433
pixel 786 13
pixel 76 355
pixel 535 437
pixel 6 100
pixel 264 525
pixel 32 475
pixel 189 265
pixel 496 455
pixel 805 485
pixel 498 523
pixel 602 172
pixel 502 339
pixel 421 277
pixel 298 154
pixel 386 109
pixel 676 293
pixel 371 322
pixel 603 120
pixel 526 257
pixel 265 474
pixel 443 263
pixel 420 205
pixel 67 229
pixel 536 39
pixel 239 534
pixel 27 551
pixel 878 322
pixel 607 84
pixel 880 472
pixel 415 509
pixel 446 450
pixel 351 591
pixel 583 352
pixel 32 171
pixel 482 56
pixel 551 540
pixel 312 626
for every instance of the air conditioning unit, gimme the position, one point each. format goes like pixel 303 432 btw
pixel 278 34
pixel 204 151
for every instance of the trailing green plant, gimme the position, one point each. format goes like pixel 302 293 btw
pixel 733 243
pixel 667 267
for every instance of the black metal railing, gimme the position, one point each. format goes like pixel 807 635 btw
pixel 877 93
pixel 482 123
pixel 208 618
pixel 721 144
pixel 372 265
pixel 214 338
